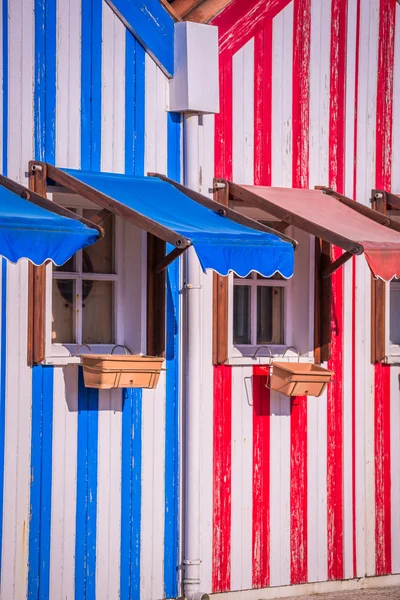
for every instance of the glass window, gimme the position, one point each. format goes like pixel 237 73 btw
pixel 258 307
pixel 83 292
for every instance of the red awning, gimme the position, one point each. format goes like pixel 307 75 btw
pixel 338 220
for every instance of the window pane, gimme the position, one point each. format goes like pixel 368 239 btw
pixel 62 326
pixel 97 311
pixel 99 258
pixel 67 267
pixel 394 337
pixel 241 314
pixel 269 315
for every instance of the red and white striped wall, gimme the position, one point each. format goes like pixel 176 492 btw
pixel 304 489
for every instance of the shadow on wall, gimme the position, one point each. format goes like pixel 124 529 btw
pixel 80 398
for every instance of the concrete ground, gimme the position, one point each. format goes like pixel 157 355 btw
pixel 386 593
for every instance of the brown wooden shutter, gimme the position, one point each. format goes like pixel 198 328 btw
pixel 220 299
pixel 156 292
pixel 378 297
pixel 36 285
pixel 322 303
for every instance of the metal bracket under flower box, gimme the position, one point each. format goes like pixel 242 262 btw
pixel 296 378
pixel 109 371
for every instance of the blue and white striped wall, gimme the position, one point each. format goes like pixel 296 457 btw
pixel 89 494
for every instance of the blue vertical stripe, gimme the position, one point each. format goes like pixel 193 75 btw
pixel 86 492
pixel 171 525
pixel 134 106
pixel 42 377
pixel 3 334
pixel 45 80
pixel 41 475
pixel 91 84
pixel 3 364
pixel 131 469
pixel 131 496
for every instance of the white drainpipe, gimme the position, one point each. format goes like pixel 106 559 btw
pixel 192 337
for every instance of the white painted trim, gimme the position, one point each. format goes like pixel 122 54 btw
pixel 364 583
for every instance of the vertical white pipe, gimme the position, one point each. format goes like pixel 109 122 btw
pixel 192 581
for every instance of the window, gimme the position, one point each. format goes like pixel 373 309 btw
pixel 89 297
pixel 84 290
pixel 258 310
pixel 394 315
pixel 273 311
pixel 385 297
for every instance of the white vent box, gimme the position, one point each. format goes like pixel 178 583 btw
pixel 195 85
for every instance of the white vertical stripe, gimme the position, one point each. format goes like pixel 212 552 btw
pixel 243 114
pixel 206 496
pixel 395 371
pixel 16 508
pixel 316 488
pixel 366 130
pixel 348 301
pixel 280 490
pixel 109 494
pixel 282 50
pixel 319 175
pixel 242 479
pixel 282 59
pixel 110 402
pixel 63 492
pixel 347 423
pixel 68 94
pixel 320 50
pixel 113 93
pixel 153 420
pixel 242 413
pixel 156 118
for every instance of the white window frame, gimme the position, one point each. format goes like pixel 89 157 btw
pixel 63 354
pixel 242 354
pixel 254 283
pixel 392 350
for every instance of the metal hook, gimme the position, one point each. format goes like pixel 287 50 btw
pixel 292 348
pixel 83 346
pixel 127 351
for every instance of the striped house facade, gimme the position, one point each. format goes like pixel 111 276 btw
pixel 292 491
pixel 89 488
pixel 307 489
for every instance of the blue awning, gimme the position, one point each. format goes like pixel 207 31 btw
pixel 220 243
pixel 30 231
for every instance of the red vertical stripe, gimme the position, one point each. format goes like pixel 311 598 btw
pixel 221 544
pixel 384 121
pixel 353 308
pixel 221 550
pixel 261 480
pixel 261 397
pixel 263 105
pixel 298 490
pixel 335 390
pixel 300 175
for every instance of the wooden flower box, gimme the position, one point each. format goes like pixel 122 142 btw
pixel 108 371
